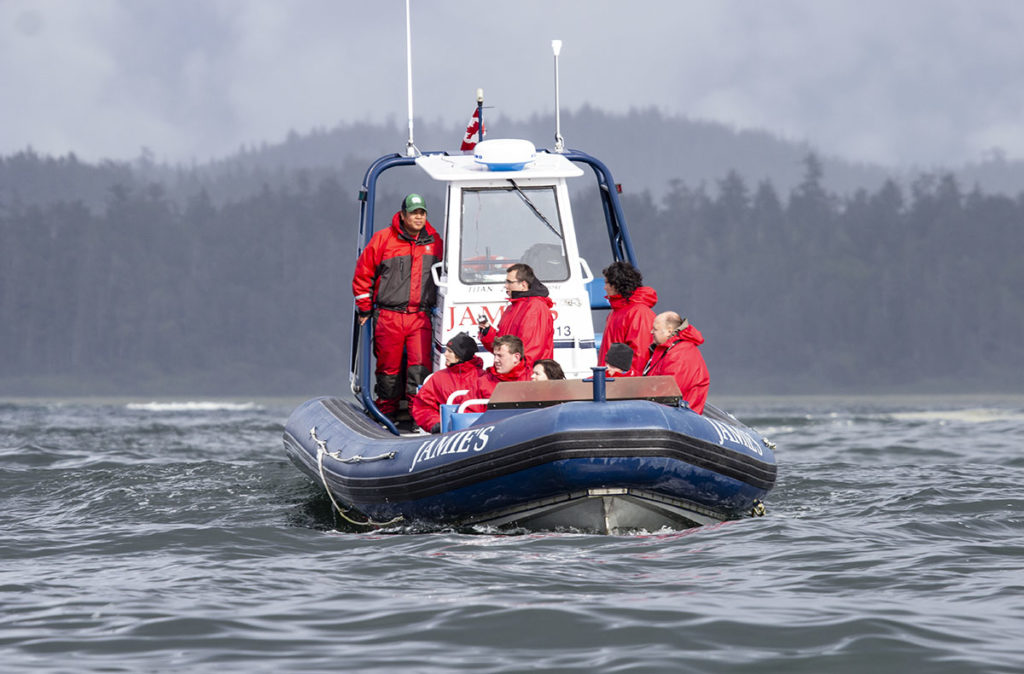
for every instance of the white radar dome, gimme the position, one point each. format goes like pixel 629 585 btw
pixel 505 154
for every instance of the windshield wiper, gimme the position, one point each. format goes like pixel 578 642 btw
pixel 536 211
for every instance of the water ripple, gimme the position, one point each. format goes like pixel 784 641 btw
pixel 177 537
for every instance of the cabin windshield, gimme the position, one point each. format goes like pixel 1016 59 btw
pixel 506 225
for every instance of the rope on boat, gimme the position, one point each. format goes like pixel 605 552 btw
pixel 321 449
pixel 358 458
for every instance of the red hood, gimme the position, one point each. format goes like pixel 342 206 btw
pixel 515 374
pixel 687 334
pixel 473 363
pixel 642 295
pixel 690 334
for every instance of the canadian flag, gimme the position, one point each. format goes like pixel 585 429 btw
pixel 469 142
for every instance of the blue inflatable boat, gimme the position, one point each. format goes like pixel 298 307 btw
pixel 586 453
pixel 542 458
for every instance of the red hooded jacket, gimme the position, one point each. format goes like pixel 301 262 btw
pixel 489 378
pixel 680 358
pixel 425 406
pixel 393 271
pixel 528 318
pixel 630 323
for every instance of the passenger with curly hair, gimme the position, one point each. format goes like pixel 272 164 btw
pixel 632 317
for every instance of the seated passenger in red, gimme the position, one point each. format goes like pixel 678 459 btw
pixel 528 317
pixel 632 317
pixel 619 361
pixel 675 353
pixel 463 368
pixel 509 365
pixel 546 369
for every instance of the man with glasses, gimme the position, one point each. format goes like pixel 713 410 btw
pixel 528 317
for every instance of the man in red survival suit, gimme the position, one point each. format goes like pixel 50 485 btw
pixel 392 283
pixel 528 317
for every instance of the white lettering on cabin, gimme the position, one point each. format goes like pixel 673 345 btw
pixel 735 435
pixel 474 439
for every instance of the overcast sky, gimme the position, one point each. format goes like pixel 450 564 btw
pixel 925 82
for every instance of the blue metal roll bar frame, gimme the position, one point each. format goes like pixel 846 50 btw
pixel 618 234
pixel 359 366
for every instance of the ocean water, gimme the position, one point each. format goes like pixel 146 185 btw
pixel 174 536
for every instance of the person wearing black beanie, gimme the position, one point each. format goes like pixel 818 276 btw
pixel 619 359
pixel 463 346
pixel 463 368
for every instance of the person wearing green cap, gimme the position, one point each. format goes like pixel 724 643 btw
pixel 392 283
pixel 414 203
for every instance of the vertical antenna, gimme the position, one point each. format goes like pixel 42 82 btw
pixel 556 46
pixel 410 148
pixel 480 114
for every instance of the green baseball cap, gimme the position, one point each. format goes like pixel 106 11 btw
pixel 413 202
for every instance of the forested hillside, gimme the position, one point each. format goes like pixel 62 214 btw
pixel 646 149
pixel 234 279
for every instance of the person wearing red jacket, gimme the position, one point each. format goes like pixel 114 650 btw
pixel 619 361
pixel 509 365
pixel 528 317
pixel 463 368
pixel 392 283
pixel 675 353
pixel 631 318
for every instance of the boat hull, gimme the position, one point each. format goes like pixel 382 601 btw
pixel 606 467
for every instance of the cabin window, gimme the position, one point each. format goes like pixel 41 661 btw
pixel 503 226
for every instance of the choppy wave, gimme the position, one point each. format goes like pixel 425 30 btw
pixel 186 541
pixel 971 416
pixel 192 406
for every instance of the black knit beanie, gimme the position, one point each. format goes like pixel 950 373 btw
pixel 619 355
pixel 463 346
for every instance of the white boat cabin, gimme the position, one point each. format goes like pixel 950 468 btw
pixel 504 205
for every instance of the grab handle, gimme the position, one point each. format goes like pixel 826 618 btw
pixel 588 275
pixel 456 394
pixel 472 401
pixel 435 272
